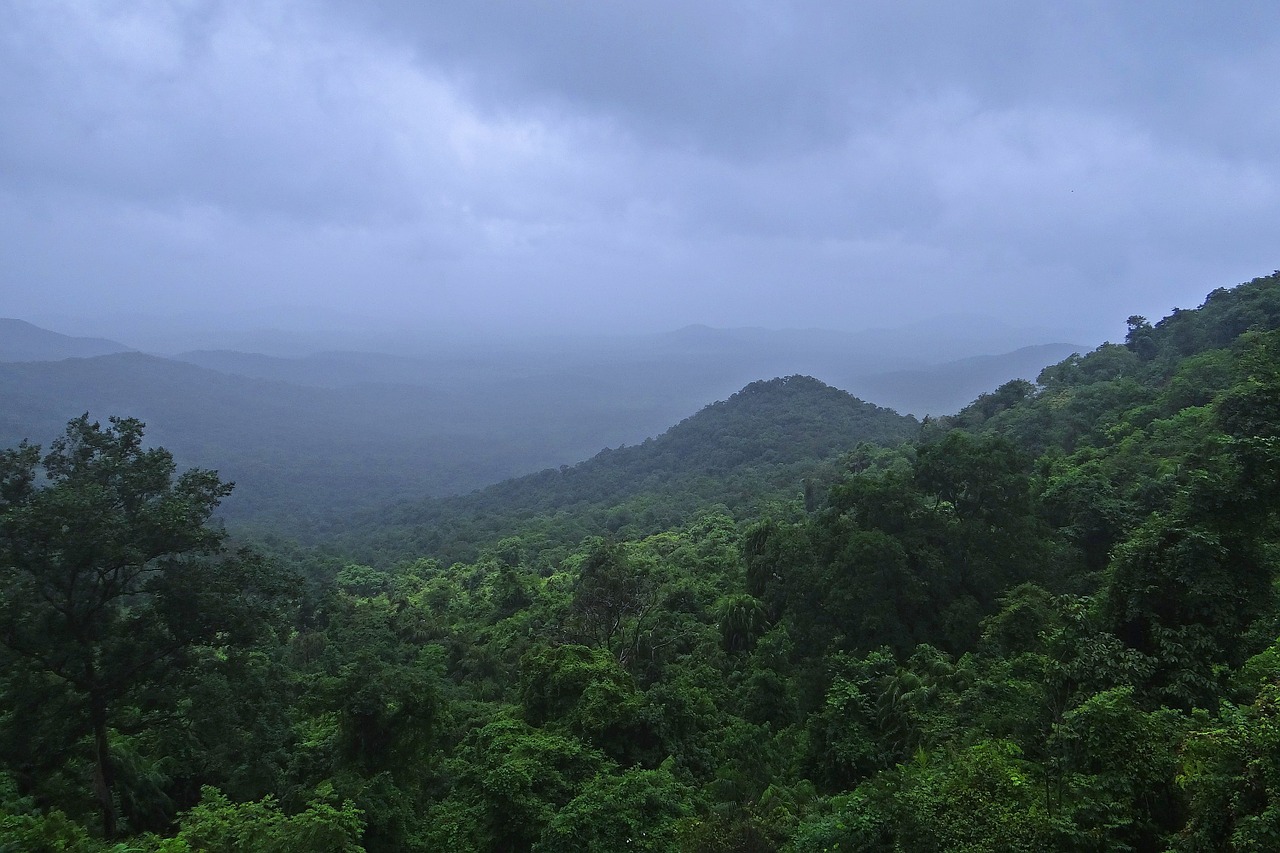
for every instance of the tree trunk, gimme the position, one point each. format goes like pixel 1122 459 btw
pixel 102 776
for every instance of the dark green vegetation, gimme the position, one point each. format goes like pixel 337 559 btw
pixel 1048 622
pixel 299 454
pixel 763 444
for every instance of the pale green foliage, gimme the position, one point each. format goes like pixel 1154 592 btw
pixel 637 810
pixel 218 825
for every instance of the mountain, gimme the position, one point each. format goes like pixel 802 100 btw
pixel 22 341
pixel 741 453
pixel 656 379
pixel 303 453
pixel 310 439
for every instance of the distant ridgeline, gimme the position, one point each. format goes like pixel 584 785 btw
pixel 21 341
pixel 741 454
pixel 311 440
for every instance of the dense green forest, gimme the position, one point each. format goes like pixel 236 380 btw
pixel 741 454
pixel 794 622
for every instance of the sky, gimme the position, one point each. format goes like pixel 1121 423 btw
pixel 487 167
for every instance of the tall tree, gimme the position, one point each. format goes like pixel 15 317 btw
pixel 111 576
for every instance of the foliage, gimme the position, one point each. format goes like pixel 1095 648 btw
pixel 636 810
pixel 1048 623
pixel 218 825
pixel 1231 771
pixel 742 452
pixel 111 579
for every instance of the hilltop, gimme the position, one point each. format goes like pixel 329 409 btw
pixel 740 453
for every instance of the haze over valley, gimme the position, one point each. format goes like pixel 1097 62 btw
pixel 420 251
pixel 310 438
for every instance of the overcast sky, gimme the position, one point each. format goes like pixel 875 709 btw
pixel 635 166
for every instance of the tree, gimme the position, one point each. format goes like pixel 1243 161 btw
pixel 111 577
pixel 635 810
pixel 742 620
pixel 217 825
pixel 590 694
pixel 511 780
pixel 1139 338
pixel 1231 773
pixel 609 592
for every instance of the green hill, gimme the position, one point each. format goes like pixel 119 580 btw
pixel 298 454
pixel 741 453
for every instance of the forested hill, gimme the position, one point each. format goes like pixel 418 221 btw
pixel 313 439
pixel 1049 622
pixel 299 452
pixel 740 453
pixel 1176 367
pixel 292 450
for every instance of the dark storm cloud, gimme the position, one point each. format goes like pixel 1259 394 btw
pixel 147 105
pixel 623 165
pixel 750 76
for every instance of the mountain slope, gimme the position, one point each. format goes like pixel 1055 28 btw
pixel 743 453
pixel 1176 363
pixel 22 341
pixel 296 453
pixel 310 439
pixel 308 452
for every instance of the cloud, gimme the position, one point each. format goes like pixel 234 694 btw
pixel 635 165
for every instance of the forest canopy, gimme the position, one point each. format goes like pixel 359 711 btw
pixel 794 622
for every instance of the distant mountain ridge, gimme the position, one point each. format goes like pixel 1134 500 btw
pixel 322 370
pixel 294 451
pixel 23 341
pixel 671 373
pixel 316 437
pixel 737 453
